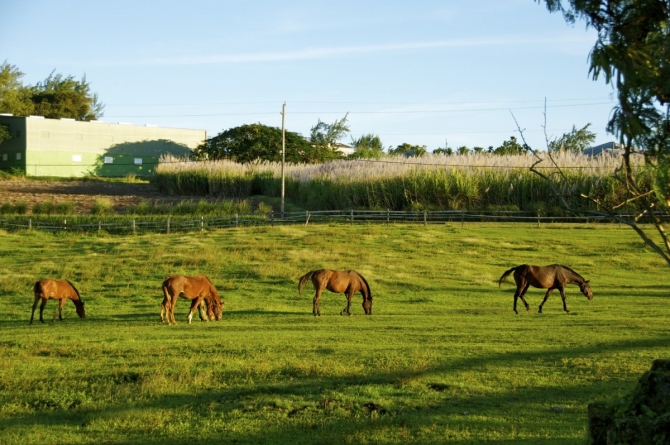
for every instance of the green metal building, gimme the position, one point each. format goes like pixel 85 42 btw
pixel 65 147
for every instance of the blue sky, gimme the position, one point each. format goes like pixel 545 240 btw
pixel 422 72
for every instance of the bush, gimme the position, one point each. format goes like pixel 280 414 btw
pixel 102 206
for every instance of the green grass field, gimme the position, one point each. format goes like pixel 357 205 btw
pixel 442 359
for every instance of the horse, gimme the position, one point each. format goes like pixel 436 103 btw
pixel 347 282
pixel 550 277
pixel 198 289
pixel 60 290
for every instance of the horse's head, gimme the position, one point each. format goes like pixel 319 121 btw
pixel 215 310
pixel 80 310
pixel 367 306
pixel 585 287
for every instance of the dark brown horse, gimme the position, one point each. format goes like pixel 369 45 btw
pixel 545 277
pixel 60 290
pixel 347 282
pixel 198 289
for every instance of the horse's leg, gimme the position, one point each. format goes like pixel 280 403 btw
pixel 195 303
pixel 349 296
pixel 565 307
pixel 61 303
pixel 521 288
pixel 44 303
pixel 173 303
pixel 37 298
pixel 316 310
pixel 521 295
pixel 202 311
pixel 545 299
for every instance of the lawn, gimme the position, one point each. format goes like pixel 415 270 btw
pixel 442 359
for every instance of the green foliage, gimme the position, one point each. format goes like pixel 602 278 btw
pixel 248 143
pixel 409 149
pixel 576 141
pixel 4 133
pixel 447 151
pixel 14 97
pixel 439 361
pixel 368 146
pixel 510 148
pixel 462 150
pixel 102 206
pixel 56 97
pixel 325 136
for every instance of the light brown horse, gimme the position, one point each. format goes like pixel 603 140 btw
pixel 60 290
pixel 550 277
pixel 198 289
pixel 347 282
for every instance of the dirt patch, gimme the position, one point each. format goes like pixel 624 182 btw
pixel 83 194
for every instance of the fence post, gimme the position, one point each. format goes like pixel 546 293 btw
pixel 168 225
pixel 30 223
pixel 202 223
pixel 133 225
pixel 99 225
pixel 388 216
pixel 538 218
pixel 272 218
pixel 307 214
pixel 352 216
pixel 237 220
pixel 65 224
pixel 462 217
pixel 425 217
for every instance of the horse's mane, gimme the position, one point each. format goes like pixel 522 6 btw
pixel 572 271
pixel 366 284
pixel 216 303
pixel 76 291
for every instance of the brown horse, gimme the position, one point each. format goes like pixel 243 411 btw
pixel 347 282
pixel 198 289
pixel 547 277
pixel 60 290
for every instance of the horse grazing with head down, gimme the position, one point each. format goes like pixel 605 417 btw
pixel 550 277
pixel 347 282
pixel 61 290
pixel 198 289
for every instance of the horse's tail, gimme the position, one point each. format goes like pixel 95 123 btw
pixel 366 285
pixel 37 289
pixel 506 274
pixel 303 280
pixel 75 290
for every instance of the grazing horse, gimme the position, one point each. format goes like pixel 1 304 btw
pixel 198 289
pixel 347 282
pixel 60 290
pixel 545 277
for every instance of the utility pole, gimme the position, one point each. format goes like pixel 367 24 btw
pixel 283 154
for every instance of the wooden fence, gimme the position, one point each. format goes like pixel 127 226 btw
pixel 126 224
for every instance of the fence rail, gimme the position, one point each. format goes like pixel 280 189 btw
pixel 169 224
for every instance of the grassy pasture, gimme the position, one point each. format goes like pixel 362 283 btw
pixel 442 359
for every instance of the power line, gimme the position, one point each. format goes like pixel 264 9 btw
pixel 461 110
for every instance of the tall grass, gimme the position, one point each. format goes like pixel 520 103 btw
pixel 472 181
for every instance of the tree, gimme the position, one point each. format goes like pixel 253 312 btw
pixel 59 96
pixel 14 97
pixel 447 151
pixel 632 53
pixel 56 97
pixel 510 148
pixel 251 142
pixel 576 141
pixel 478 149
pixel 462 150
pixel 325 136
pixel 368 146
pixel 409 150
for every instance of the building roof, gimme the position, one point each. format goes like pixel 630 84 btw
pixel 608 147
